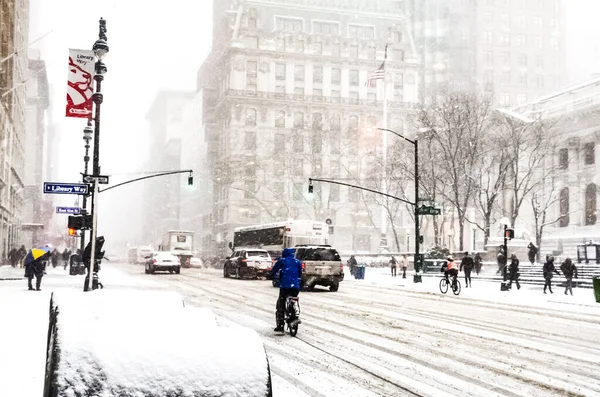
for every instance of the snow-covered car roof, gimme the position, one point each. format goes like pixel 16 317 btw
pixel 147 344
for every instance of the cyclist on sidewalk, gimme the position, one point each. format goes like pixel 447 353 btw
pixel 289 282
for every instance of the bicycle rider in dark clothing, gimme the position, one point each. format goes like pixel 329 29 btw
pixel 289 283
pixel 450 268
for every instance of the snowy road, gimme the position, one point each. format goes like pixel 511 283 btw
pixel 392 340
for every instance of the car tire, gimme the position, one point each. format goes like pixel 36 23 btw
pixel 334 287
pixel 226 271
pixel 151 269
pixel 146 269
pixel 177 269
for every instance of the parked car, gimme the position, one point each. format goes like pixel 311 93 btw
pixel 321 265
pixel 162 261
pixel 252 263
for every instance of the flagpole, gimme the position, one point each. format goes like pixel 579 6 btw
pixel 384 220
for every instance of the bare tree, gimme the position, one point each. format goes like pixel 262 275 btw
pixel 458 123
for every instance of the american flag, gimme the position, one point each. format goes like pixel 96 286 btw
pixel 378 74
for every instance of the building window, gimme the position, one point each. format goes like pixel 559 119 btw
pixel 564 208
pixel 522 22
pixel 539 62
pixel 280 89
pixel 523 60
pixel 335 50
pixel 361 32
pixel 250 140
pixel 521 99
pixel 250 117
pixel 298 143
pixel 326 27
pixel 249 189
pixel 298 167
pixel 488 77
pixel 353 77
pixel 397 55
pixel 354 97
pixel 334 145
pixel 590 204
pixel 317 93
pixel 299 91
pixel 299 120
pixel 523 79
pixel 317 123
pixel 505 59
pixel 505 99
pixel 280 71
pixel 398 36
pixel 299 73
pixel 563 159
pixel 336 122
pixel 488 37
pixel 288 24
pixel 505 39
pixel 554 43
pixel 252 22
pixel 371 53
pixel 506 78
pixel 539 43
pixel 279 143
pixel 317 48
pixel 250 168
pixel 280 119
pixel 505 21
pixel 353 125
pixel 336 95
pixel 589 151
pixel 521 40
pixel 317 74
pixel 335 76
pixel 334 192
pixel 537 23
pixel 316 142
pixel 488 58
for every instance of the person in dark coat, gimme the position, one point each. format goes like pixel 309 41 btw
pixel 393 266
pixel 289 283
pixel 513 271
pixel 54 257
pixel 549 269
pixel 21 252
pixel 501 259
pixel 532 251
pixel 569 270
pixel 478 260
pixel 65 257
pixel 467 265
pixel 34 269
pixel 12 257
pixel 352 264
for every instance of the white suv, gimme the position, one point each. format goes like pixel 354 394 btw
pixel 321 265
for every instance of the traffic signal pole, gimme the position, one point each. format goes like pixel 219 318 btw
pixel 417 262
pixel 93 241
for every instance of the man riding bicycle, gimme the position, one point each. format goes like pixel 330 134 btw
pixel 450 269
pixel 289 282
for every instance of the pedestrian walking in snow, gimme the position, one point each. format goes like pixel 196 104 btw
pixel 513 272
pixel 352 264
pixel 478 262
pixel 532 251
pixel 549 271
pixel 54 257
pixel 466 265
pixel 393 266
pixel 404 265
pixel 501 259
pixel 65 257
pixel 21 252
pixel 569 271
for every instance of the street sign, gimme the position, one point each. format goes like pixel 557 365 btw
pixel 428 210
pixel 102 179
pixel 65 188
pixel 68 210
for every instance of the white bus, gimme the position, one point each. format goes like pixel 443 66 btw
pixel 274 237
pixel 137 255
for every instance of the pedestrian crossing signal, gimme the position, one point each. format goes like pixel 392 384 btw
pixel 509 234
pixel 72 232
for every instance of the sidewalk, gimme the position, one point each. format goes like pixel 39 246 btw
pixel 24 329
pixel 583 299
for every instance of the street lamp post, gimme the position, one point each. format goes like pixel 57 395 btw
pixel 418 263
pixel 100 50
pixel 88 131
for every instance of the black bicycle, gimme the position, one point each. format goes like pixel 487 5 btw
pixel 445 283
pixel 292 314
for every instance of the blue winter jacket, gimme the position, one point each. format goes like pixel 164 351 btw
pixel 291 270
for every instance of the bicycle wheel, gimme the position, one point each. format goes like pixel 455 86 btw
pixel 293 328
pixel 443 286
pixel 456 288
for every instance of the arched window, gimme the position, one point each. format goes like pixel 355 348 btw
pixel 250 116
pixel 317 123
pixel 352 125
pixel 298 120
pixel 336 122
pixel 590 204
pixel 564 208
pixel 280 119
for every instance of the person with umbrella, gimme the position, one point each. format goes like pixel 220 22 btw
pixel 34 266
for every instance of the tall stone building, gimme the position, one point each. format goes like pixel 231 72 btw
pixel 13 103
pixel 285 97
pixel 514 49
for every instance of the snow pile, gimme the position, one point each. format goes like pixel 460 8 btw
pixel 147 344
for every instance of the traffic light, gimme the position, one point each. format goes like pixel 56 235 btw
pixel 80 222
pixel 509 234
pixel 190 180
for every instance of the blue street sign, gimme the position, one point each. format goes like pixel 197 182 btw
pixel 65 188
pixel 68 210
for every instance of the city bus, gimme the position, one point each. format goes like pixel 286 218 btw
pixel 274 237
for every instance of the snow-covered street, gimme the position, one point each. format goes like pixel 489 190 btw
pixel 377 337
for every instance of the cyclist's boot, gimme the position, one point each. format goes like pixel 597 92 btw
pixel 279 328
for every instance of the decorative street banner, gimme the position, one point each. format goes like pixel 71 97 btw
pixel 80 89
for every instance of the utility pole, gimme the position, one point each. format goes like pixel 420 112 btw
pixel 418 263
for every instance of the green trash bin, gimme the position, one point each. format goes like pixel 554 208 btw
pixel 596 282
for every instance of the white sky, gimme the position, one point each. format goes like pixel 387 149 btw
pixel 160 45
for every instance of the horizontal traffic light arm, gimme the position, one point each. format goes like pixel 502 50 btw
pixel 148 177
pixel 310 181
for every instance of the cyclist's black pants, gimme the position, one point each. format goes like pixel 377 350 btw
pixel 280 308
pixel 468 277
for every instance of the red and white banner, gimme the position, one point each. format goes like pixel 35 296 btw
pixel 80 89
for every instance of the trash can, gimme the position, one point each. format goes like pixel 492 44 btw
pixel 360 272
pixel 596 283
